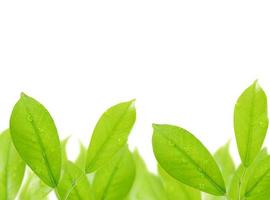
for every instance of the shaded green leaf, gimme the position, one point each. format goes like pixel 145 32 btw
pixel 226 165
pixel 81 159
pixel 177 190
pixel 250 122
pixel 12 168
pixel 34 189
pixel 114 180
pixel 110 134
pixel 146 185
pixel 35 137
pixel 73 184
pixel 185 158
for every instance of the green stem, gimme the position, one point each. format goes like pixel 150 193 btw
pixel 57 194
pixel 240 183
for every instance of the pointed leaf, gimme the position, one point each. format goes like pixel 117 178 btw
pixel 35 137
pixel 176 189
pixel 81 159
pixel 110 134
pixel 12 168
pixel 250 122
pixel 114 180
pixel 185 158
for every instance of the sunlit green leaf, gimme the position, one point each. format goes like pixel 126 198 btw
pixel 34 189
pixel 114 180
pixel 250 122
pixel 110 134
pixel 146 185
pixel 73 184
pixel 12 168
pixel 35 137
pixel 81 159
pixel 177 190
pixel 185 158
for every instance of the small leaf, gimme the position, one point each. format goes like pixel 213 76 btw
pixel 110 134
pixel 185 158
pixel 146 185
pixel 177 190
pixel 73 184
pixel 35 137
pixel 63 144
pixel 250 122
pixel 114 180
pixel 12 168
pixel 81 159
pixel 34 189
pixel 225 162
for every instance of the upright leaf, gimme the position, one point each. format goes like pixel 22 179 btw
pixel 81 159
pixel 73 184
pixel 110 134
pixel 250 122
pixel 34 189
pixel 146 185
pixel 12 168
pixel 114 180
pixel 35 137
pixel 226 164
pixel 185 158
pixel 177 190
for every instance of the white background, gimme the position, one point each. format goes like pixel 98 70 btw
pixel 186 63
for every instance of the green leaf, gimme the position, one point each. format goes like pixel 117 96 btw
pixel 34 189
pixel 81 159
pixel 225 162
pixel 12 168
pixel 259 181
pixel 177 190
pixel 250 122
pixel 114 180
pixel 110 134
pixel 146 185
pixel 64 150
pixel 185 158
pixel 239 183
pixel 73 184
pixel 35 137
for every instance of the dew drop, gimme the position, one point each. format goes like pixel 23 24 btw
pixel 29 118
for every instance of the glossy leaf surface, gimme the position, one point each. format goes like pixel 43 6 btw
pixel 110 134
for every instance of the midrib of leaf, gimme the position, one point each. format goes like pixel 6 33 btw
pixel 40 144
pixel 100 149
pixel 217 186
pixel 257 182
pixel 7 170
pixel 251 115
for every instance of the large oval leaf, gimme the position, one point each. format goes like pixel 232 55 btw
pixel 114 180
pixel 110 134
pixel 73 184
pixel 250 122
pixel 186 159
pixel 146 185
pixel 177 190
pixel 35 137
pixel 12 168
